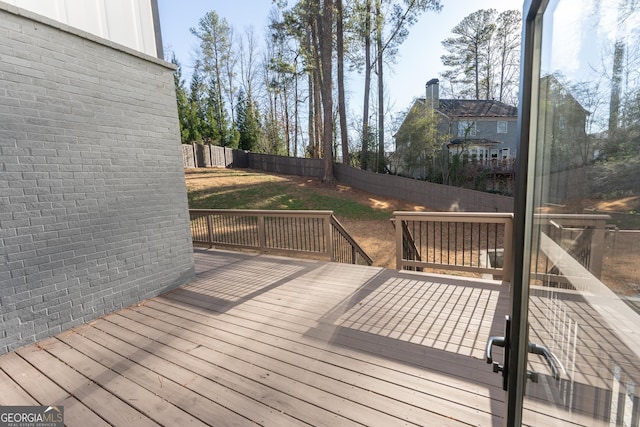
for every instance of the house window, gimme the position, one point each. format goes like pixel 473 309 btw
pixel 561 122
pixel 502 126
pixel 466 128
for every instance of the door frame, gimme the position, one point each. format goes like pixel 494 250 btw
pixel 523 208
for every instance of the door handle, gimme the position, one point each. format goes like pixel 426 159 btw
pixel 497 341
pixel 551 359
pixel 501 342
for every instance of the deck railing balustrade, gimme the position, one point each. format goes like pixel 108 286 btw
pixel 288 232
pixel 461 241
pixel 556 236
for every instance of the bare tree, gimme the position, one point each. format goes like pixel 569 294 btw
pixel 326 59
pixel 508 46
pixel 342 109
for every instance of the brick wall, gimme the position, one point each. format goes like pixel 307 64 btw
pixel 93 209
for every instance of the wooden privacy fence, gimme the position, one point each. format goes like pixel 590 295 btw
pixel 460 241
pixel 289 232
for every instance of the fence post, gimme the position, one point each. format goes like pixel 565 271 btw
pixel 210 230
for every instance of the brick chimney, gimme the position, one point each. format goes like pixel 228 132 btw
pixel 432 98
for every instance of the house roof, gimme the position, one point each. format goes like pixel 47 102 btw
pixel 475 108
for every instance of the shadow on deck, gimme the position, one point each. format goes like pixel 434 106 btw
pixel 259 340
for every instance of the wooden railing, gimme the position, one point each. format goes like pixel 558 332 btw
pixel 581 237
pixel 289 232
pixel 460 241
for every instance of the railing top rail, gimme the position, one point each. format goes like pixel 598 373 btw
pixel 567 220
pixel 264 212
pixel 572 216
pixel 457 216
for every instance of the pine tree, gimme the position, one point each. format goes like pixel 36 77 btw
pixel 246 123
pixel 181 100
pixel 483 56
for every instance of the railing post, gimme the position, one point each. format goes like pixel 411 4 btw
pixel 328 236
pixel 507 256
pixel 210 230
pixel 399 248
pixel 262 234
pixel 597 247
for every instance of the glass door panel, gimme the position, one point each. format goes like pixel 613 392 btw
pixel 583 362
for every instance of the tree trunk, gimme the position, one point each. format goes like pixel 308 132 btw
pixel 477 69
pixel 342 109
pixel 380 163
pixel 326 57
pixel 296 113
pixel 616 82
pixel 287 120
pixel 364 154
pixel 317 84
pixel 317 115
pixel 311 123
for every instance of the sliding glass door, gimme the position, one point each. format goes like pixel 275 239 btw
pixel 575 332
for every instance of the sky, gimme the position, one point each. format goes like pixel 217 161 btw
pixel 418 60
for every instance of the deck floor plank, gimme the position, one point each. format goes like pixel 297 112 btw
pixel 222 381
pixel 167 381
pixel 46 392
pixel 319 367
pixel 13 393
pixel 350 401
pixel 146 401
pixel 298 332
pixel 98 399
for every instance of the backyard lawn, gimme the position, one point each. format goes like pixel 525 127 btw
pixel 365 216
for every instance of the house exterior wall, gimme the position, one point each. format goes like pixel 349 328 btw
pixel 130 23
pixel 93 207
pixel 487 128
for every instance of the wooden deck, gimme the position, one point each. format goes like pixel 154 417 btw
pixel 258 340
pixel 276 342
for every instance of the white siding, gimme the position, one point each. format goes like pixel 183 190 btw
pixel 127 22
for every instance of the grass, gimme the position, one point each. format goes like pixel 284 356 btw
pixel 271 192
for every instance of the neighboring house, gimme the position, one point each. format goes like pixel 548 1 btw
pixel 93 204
pixel 480 131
